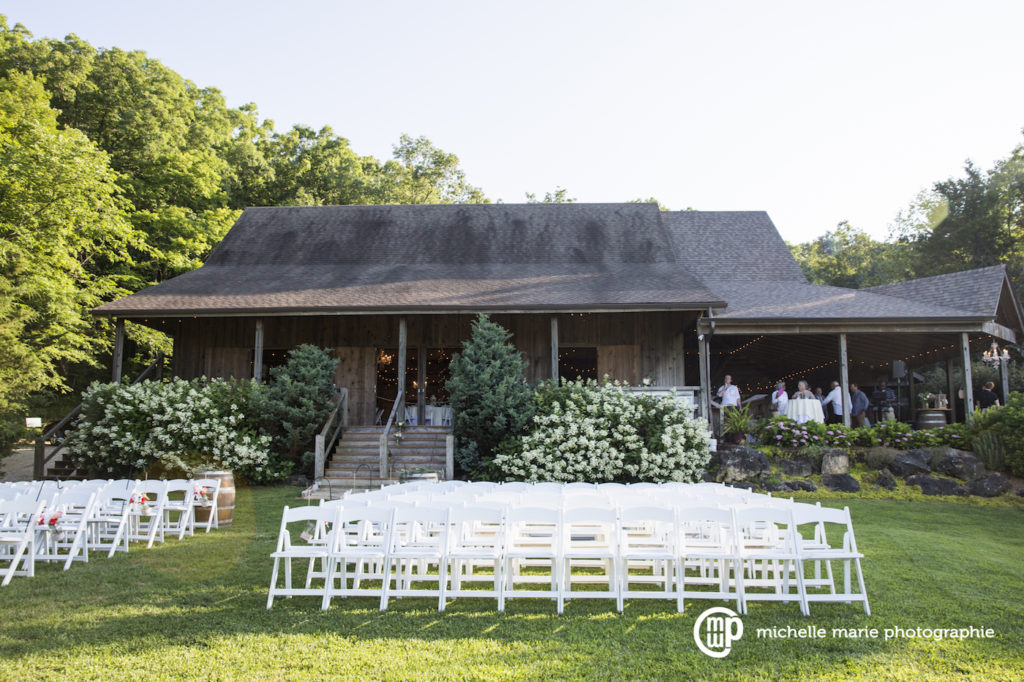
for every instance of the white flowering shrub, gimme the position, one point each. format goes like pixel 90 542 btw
pixel 589 431
pixel 170 427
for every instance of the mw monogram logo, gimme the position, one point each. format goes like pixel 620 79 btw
pixel 715 631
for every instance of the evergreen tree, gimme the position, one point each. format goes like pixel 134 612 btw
pixel 490 398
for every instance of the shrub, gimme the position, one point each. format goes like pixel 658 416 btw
pixel 11 431
pixel 171 428
pixel 298 398
pixel 1009 424
pixel 586 431
pixel 991 450
pixel 737 421
pixel 787 433
pixel 490 399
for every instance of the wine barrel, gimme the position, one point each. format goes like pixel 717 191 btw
pixel 930 419
pixel 225 498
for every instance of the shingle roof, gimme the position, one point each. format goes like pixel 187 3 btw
pixel 734 245
pixel 798 300
pixel 496 256
pixel 974 291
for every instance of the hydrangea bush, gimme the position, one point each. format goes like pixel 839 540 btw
pixel 590 431
pixel 786 433
pixel 172 427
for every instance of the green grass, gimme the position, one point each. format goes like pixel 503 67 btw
pixel 197 608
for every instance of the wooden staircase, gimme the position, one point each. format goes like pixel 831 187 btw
pixel 356 461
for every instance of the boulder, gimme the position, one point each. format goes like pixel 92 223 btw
pixel 992 485
pixel 835 462
pixel 879 457
pixel 742 464
pixel 885 479
pixel 844 483
pixel 807 486
pixel 959 464
pixel 772 487
pixel 909 463
pixel 745 486
pixel 931 485
pixel 707 477
pixel 798 466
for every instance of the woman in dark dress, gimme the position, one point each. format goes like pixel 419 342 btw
pixel 987 397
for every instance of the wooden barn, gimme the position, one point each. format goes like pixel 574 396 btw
pixel 673 299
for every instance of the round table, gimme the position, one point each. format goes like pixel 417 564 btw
pixel 805 409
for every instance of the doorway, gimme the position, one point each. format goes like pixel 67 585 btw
pixel 427 371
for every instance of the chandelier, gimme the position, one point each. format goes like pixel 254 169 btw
pixel 993 357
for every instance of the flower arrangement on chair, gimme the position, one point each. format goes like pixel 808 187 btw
pixel 142 501
pixel 50 524
pixel 201 495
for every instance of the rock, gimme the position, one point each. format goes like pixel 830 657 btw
pixel 771 487
pixel 959 464
pixel 807 486
pixel 1020 492
pixel 835 462
pixel 931 485
pixel 745 486
pixel 798 466
pixel 909 463
pixel 707 478
pixel 992 485
pixel 885 479
pixel 742 464
pixel 879 457
pixel 844 483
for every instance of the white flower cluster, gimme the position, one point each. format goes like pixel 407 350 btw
pixel 125 429
pixel 602 432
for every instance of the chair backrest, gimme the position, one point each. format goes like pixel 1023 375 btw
pixel 21 514
pixel 760 525
pixel 152 489
pixel 323 520
pixel 80 499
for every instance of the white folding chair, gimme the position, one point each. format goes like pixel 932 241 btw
pixel 820 550
pixel 109 523
pixel 146 511
pixel 648 552
pixel 179 501
pixel 476 538
pixel 19 523
pixel 205 494
pixel 590 537
pixel 533 538
pixel 767 549
pixel 288 548
pixel 708 567
pixel 67 526
pixel 361 539
pixel 418 540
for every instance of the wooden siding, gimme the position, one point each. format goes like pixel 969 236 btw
pixel 631 346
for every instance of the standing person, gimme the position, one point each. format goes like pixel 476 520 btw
pixel 728 393
pixel 859 404
pixel 835 399
pixel 819 395
pixel 779 398
pixel 987 396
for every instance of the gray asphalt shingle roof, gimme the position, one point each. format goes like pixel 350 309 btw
pixel 974 291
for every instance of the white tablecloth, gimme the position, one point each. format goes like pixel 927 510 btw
pixel 434 415
pixel 805 409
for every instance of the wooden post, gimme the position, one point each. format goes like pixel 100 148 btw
pixel 421 383
pixel 257 352
pixel 118 356
pixel 844 379
pixel 449 457
pixel 705 381
pixel 951 390
pixel 965 358
pixel 1004 379
pixel 554 348
pixel 910 393
pixel 403 342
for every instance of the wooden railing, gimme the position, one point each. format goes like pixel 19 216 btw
pixel 399 403
pixel 327 437
pixel 684 395
pixel 42 459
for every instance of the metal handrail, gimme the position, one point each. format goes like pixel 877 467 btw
pixel 41 458
pixel 326 439
pixel 399 400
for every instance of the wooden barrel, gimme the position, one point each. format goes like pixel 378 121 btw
pixel 225 498
pixel 931 419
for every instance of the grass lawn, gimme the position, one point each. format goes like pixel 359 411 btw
pixel 197 608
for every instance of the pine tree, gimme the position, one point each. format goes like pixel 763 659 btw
pixel 490 398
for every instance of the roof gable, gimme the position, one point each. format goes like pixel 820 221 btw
pixel 973 291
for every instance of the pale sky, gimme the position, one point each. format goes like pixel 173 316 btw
pixel 816 112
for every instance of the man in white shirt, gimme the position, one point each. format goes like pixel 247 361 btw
pixel 729 394
pixel 835 399
pixel 780 399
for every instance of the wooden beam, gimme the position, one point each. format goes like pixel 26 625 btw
pixel 118 356
pixel 403 343
pixel 421 381
pixel 965 358
pixel 705 381
pixel 951 390
pixel 844 379
pixel 1004 380
pixel 901 326
pixel 910 393
pixel 1000 332
pixel 554 348
pixel 257 352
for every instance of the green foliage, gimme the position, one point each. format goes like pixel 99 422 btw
pixel 1008 422
pixel 989 447
pixel 737 421
pixel 12 430
pixel 489 395
pixel 848 257
pixel 783 432
pixel 298 399
pixel 559 196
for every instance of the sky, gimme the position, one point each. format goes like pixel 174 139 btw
pixel 815 112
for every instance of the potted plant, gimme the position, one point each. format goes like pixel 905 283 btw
pixel 737 422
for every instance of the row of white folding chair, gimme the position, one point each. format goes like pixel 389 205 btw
pixel 19 520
